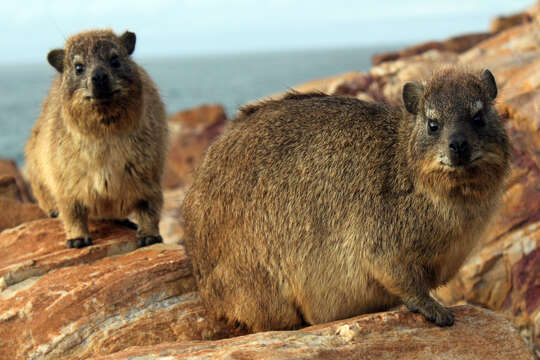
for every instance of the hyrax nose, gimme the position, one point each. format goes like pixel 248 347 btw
pixel 100 78
pixel 458 144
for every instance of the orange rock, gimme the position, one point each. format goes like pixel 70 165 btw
pixel 12 184
pixel 15 213
pixel 457 44
pixel 192 132
pixel 171 226
pixel 502 23
pixel 204 115
pixel 9 188
pixel 15 198
pixel 60 303
pixel 477 334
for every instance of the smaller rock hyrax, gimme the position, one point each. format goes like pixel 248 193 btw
pixel 97 150
pixel 315 208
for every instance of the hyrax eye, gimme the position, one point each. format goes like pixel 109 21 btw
pixel 115 62
pixel 433 126
pixel 79 68
pixel 478 120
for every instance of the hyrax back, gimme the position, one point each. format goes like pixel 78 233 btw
pixel 315 208
pixel 98 148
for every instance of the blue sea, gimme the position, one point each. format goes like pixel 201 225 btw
pixel 230 80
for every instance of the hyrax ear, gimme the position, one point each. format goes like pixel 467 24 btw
pixel 56 59
pixel 412 92
pixel 128 40
pixel 490 84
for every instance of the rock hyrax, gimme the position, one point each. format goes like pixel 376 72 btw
pixel 315 208
pixel 97 150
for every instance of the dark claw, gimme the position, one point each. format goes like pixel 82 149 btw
pixel 53 214
pixel 79 243
pixel 149 240
pixel 127 223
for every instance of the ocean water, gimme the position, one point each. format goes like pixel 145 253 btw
pixel 231 80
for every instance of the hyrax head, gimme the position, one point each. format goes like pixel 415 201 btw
pixel 458 143
pixel 98 76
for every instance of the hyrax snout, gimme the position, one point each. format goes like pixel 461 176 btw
pixel 97 150
pixel 314 208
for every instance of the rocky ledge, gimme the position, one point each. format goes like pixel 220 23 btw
pixel 59 303
pixel 118 302
pixel 477 334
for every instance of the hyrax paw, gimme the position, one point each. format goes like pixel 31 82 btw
pixel 440 316
pixel 79 242
pixel 149 240
pixel 53 214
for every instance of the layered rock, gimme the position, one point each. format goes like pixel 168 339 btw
pixel 457 44
pixel 477 334
pixel 60 303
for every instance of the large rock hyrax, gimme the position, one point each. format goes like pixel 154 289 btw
pixel 97 150
pixel 314 208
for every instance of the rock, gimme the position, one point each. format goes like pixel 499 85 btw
pixel 502 23
pixel 60 303
pixel 12 184
pixel 15 213
pixel 329 84
pixel 477 334
pixel 392 75
pixel 171 226
pixel 201 116
pixel 15 197
pixel 363 86
pixel 192 132
pixel 9 188
pixel 457 44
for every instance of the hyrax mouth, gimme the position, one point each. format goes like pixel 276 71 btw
pixel 459 164
pixel 102 96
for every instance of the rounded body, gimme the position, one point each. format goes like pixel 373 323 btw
pixel 309 210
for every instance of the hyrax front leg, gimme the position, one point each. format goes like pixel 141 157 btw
pixel 411 284
pixel 147 214
pixel 74 215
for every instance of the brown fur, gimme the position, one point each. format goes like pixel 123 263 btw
pixel 93 159
pixel 315 208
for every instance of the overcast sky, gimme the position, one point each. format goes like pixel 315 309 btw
pixel 30 28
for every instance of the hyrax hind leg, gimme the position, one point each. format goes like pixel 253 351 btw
pixel 251 298
pixel 411 283
pixel 45 199
pixel 74 215
pixel 147 214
